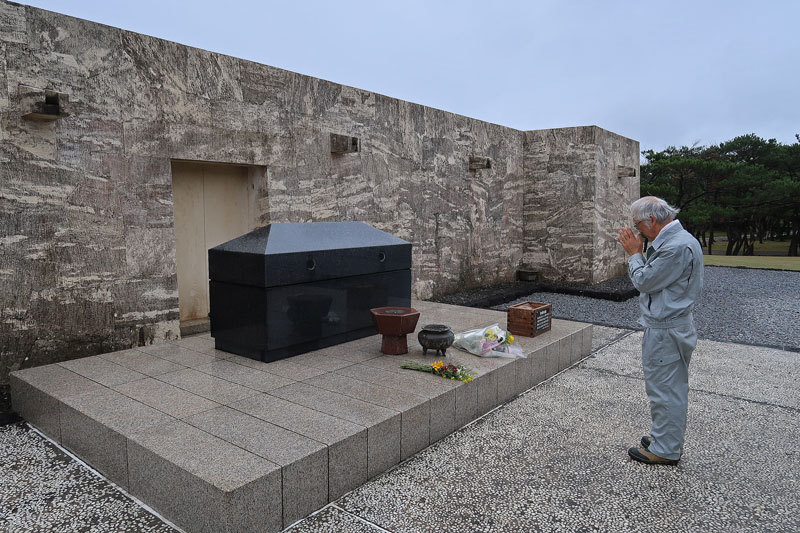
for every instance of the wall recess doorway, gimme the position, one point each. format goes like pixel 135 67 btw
pixel 212 203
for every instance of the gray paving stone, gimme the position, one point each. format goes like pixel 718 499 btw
pixel 539 365
pixel 347 442
pixel 551 359
pixel 305 486
pixel 244 375
pixel 203 483
pixel 95 426
pixel 283 368
pixel 165 397
pixel 506 381
pixel 304 462
pixel 351 351
pixel 383 446
pixel 417 383
pixel 41 408
pixel 576 345
pixel 443 415
pixel 390 363
pixel 177 354
pixel 395 399
pixel 321 360
pixel 586 340
pixel 200 344
pixel 141 362
pixel 309 422
pixel 414 429
pixel 532 344
pixel 213 388
pixel 561 328
pixel 332 403
pixel 564 352
pixel 523 374
pixel 383 425
pixel 370 343
pixel 487 392
pixel 347 464
pixel 414 410
pixel 441 393
pixel 102 371
pixel 466 404
pixel 537 359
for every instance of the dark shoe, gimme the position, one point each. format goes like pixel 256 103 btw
pixel 644 456
pixel 647 440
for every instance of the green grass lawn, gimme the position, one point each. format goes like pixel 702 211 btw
pixel 770 247
pixel 753 261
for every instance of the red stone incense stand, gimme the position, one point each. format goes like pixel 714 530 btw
pixel 394 323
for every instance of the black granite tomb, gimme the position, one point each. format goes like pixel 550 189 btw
pixel 289 288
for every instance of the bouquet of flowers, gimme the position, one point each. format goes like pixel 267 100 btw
pixel 488 342
pixel 445 370
pixel 496 339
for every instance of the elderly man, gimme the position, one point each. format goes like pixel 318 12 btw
pixel 669 281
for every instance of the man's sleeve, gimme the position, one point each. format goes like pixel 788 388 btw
pixel 662 271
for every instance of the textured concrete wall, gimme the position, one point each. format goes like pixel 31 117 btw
pixel 87 254
pixel 577 192
pixel 616 187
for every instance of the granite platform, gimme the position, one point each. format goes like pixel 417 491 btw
pixel 218 442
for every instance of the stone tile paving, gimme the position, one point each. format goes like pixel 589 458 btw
pixel 551 460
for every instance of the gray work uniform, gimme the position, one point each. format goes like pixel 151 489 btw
pixel 669 281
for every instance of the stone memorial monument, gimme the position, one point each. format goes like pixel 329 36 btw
pixel 289 288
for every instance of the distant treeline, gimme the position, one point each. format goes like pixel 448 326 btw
pixel 748 188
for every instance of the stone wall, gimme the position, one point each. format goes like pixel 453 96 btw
pixel 616 187
pixel 578 184
pixel 87 253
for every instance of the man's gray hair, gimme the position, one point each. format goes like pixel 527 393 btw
pixel 642 208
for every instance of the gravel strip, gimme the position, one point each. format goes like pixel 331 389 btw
pixel 746 306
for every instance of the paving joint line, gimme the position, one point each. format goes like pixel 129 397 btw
pixel 615 340
pixel 364 520
pixel 700 336
pixel 703 391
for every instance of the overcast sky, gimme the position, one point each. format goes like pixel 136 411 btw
pixel 668 72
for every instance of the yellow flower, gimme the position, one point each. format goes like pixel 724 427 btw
pixel 511 338
pixel 437 365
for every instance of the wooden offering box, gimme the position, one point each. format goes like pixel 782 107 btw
pixel 530 319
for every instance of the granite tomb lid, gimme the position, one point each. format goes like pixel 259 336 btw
pixel 288 253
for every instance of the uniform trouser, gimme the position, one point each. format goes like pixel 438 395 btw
pixel 665 360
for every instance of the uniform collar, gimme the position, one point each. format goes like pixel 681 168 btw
pixel 666 231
